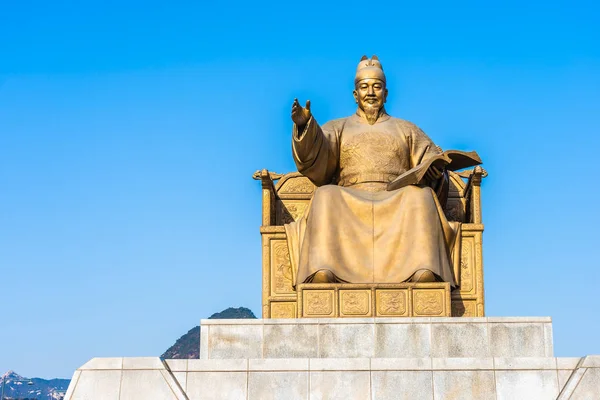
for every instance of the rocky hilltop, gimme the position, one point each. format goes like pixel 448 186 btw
pixel 188 346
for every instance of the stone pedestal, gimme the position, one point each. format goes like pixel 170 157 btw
pixel 363 359
pixel 376 338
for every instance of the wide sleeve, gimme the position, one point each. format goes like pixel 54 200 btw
pixel 421 146
pixel 315 151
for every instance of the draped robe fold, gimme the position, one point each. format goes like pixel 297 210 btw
pixel 354 227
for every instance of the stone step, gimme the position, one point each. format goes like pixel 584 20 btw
pixel 377 338
pixel 531 378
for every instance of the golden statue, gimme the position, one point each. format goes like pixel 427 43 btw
pixel 376 223
pixel 355 230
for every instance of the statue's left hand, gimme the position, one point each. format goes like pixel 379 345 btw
pixel 434 173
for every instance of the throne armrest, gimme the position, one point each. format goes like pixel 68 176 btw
pixel 472 192
pixel 268 195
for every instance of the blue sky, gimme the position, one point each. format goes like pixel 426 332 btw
pixel 129 132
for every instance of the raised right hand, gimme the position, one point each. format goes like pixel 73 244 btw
pixel 301 115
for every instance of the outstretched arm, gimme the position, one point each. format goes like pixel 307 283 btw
pixel 314 148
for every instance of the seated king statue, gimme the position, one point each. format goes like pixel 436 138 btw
pixel 354 229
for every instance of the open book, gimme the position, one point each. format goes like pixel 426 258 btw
pixel 451 160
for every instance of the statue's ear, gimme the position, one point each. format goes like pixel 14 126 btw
pixel 355 94
pixel 375 57
pixel 364 58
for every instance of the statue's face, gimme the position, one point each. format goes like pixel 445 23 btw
pixel 370 94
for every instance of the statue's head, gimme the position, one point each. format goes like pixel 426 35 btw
pixel 370 92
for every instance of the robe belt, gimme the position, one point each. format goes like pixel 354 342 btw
pixel 353 179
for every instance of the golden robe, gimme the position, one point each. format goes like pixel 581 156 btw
pixel 354 227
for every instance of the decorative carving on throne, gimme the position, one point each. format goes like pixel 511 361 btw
pixel 374 300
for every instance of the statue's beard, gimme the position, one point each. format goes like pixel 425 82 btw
pixel 371 113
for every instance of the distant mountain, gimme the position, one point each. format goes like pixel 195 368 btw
pixel 19 387
pixel 234 313
pixel 188 346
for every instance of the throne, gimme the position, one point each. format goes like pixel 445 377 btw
pixel 285 197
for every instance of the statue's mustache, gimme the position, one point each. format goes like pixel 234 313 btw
pixel 371 101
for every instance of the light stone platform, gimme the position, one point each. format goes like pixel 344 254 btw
pixel 286 371
pixel 376 337
pixel 341 378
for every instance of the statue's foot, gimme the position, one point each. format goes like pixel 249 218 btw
pixel 323 276
pixel 423 275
